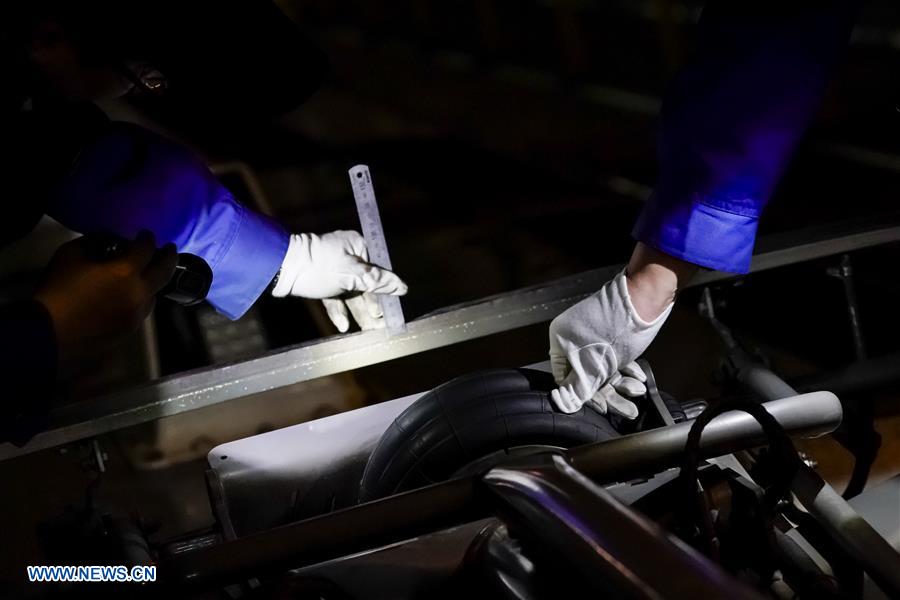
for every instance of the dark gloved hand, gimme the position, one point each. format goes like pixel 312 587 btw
pixel 95 304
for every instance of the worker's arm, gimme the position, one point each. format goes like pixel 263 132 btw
pixel 128 179
pixel 732 119
pixel 729 126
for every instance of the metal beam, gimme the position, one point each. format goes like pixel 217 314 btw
pixel 213 385
pixel 418 512
pixel 570 517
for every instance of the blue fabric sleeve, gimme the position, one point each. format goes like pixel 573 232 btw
pixel 129 179
pixel 731 121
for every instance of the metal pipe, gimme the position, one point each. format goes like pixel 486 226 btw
pixel 842 524
pixel 848 530
pixel 406 515
pixel 638 454
pixel 210 386
pixel 341 533
pixel 583 525
pixel 763 382
pixel 844 272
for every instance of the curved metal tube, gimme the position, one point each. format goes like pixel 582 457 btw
pixel 612 546
pixel 842 524
pixel 413 513
pixel 848 530
pixel 630 456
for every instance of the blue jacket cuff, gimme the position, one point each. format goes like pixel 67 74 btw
pixel 699 233
pixel 248 263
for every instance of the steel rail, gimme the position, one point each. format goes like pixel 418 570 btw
pixel 213 385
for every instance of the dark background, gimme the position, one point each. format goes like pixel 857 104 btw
pixel 511 143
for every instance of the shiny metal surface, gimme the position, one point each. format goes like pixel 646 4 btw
pixel 415 568
pixel 214 385
pixel 410 514
pixel 837 517
pixel 647 452
pixel 330 536
pixel 878 506
pixel 607 543
pixel 853 534
pixel 293 466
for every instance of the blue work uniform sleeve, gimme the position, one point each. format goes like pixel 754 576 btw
pixel 731 120
pixel 28 357
pixel 129 179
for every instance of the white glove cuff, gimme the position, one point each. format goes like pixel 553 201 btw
pixel 291 265
pixel 622 285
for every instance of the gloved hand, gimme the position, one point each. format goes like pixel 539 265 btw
pixel 592 341
pixel 626 383
pixel 331 265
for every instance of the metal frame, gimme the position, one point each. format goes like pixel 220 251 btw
pixel 214 385
pixel 605 541
pixel 850 532
pixel 418 512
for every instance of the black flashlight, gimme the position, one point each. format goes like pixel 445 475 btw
pixel 189 284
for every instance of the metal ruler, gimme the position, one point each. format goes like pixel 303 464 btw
pixel 370 220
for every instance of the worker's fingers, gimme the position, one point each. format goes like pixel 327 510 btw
pixel 629 387
pixel 364 277
pixel 556 400
pixel 359 308
pixel 337 312
pixel 598 403
pixel 618 404
pixel 565 400
pixel 581 386
pixel 559 366
pixel 373 305
pixel 572 401
pixel 355 244
pixel 141 250
pixel 161 267
pixel 635 371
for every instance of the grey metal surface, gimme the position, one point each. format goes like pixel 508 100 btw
pixel 606 542
pixel 416 568
pixel 419 512
pixel 285 466
pixel 302 468
pixel 648 452
pixel 841 522
pixel 849 530
pixel 880 507
pixel 214 385
pixel 289 466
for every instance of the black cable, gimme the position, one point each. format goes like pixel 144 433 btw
pixel 785 456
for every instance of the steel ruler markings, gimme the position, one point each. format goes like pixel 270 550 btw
pixel 372 230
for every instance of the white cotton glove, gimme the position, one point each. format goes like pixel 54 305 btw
pixel 327 266
pixel 613 397
pixel 591 342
